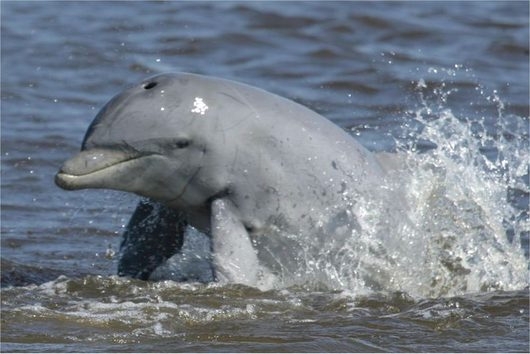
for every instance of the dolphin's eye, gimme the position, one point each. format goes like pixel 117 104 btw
pixel 182 144
pixel 150 85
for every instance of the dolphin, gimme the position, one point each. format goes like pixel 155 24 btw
pixel 266 178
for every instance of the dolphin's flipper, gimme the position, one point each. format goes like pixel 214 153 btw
pixel 234 257
pixel 154 234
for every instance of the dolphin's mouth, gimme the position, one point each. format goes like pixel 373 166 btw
pixel 93 168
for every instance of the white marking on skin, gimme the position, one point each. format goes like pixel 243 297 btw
pixel 199 106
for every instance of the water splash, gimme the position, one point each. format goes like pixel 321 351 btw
pixel 465 181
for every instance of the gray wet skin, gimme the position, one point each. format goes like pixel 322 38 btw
pixel 240 164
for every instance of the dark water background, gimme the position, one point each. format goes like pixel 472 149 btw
pixel 447 82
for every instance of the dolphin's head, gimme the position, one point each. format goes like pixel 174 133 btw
pixel 145 140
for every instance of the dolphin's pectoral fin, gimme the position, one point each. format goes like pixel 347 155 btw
pixel 234 257
pixel 154 234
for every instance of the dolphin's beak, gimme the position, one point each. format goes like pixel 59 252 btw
pixel 96 168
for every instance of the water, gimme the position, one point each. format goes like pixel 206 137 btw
pixel 444 85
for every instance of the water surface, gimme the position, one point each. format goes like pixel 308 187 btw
pixel 445 84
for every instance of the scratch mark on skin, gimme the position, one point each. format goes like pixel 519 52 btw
pixel 186 186
pixel 234 162
pixel 240 99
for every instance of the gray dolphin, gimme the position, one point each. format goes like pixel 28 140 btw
pixel 254 171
